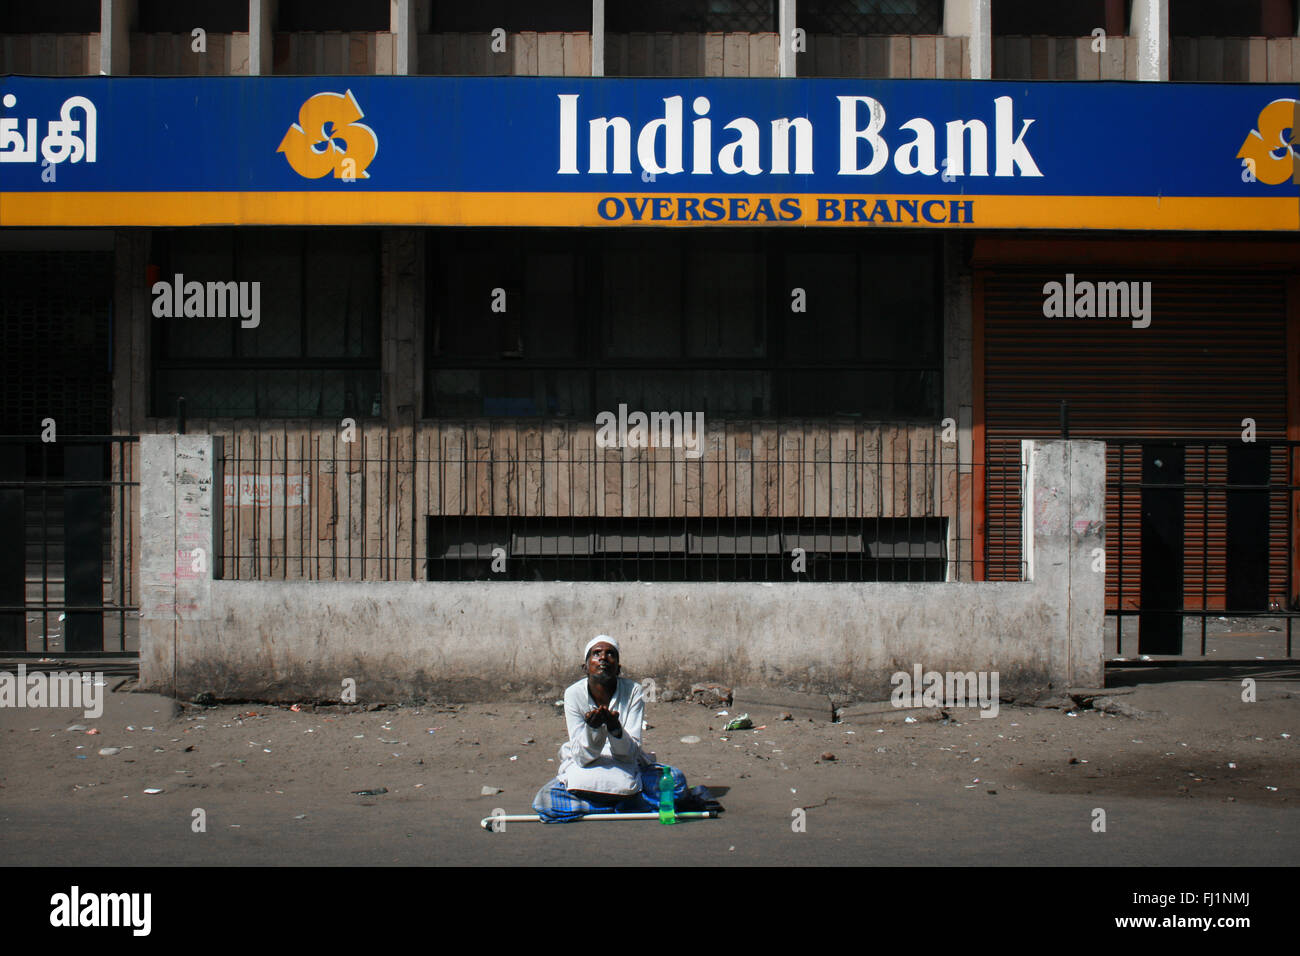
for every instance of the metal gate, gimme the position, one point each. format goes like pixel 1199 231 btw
pixel 1202 530
pixel 68 513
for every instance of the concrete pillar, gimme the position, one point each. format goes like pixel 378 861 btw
pixel 132 313
pixel 597 37
pixel 1064 522
pixel 261 41
pixel 180 478
pixel 972 19
pixel 116 18
pixel 403 26
pixel 958 371
pixel 785 55
pixel 1149 29
pixel 402 323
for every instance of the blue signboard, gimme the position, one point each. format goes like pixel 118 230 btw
pixel 591 151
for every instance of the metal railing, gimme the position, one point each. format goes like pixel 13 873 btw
pixel 542 502
pixel 68 512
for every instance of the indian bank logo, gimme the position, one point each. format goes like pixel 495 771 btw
pixel 327 138
pixel 1267 151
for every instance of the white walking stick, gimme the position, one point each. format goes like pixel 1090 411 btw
pixel 488 823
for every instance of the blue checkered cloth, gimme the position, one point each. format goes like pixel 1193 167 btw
pixel 554 804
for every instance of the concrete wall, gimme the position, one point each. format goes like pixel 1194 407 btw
pixel 894 57
pixel 358 53
pixel 526 53
pixel 1064 58
pixel 50 54
pixel 1235 59
pixel 173 54
pixel 691 54
pixel 967 49
pixel 475 640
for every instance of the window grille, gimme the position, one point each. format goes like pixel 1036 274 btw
pixel 870 17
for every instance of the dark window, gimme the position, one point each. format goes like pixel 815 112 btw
pixel 1242 18
pixel 315 349
pixel 55 341
pixel 868 17
pixel 214 16
pixel 351 16
pixel 66 16
pixel 1078 18
pixel 509 314
pixel 691 16
pixel 686 548
pixel 484 16
pixel 567 323
pixel 869 338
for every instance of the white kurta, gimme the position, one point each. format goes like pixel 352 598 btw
pixel 593 758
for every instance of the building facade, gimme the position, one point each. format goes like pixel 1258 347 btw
pixel 702 296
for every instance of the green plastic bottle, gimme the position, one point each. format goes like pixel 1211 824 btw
pixel 667 809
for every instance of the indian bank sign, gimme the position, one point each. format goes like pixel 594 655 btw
pixel 668 146
pixel 565 151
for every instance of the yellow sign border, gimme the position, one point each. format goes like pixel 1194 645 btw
pixel 375 208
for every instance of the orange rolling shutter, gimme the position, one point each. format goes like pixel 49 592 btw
pixel 1214 354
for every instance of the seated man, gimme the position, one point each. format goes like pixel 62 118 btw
pixel 602 766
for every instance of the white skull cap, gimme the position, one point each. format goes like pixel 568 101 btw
pixel 600 639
